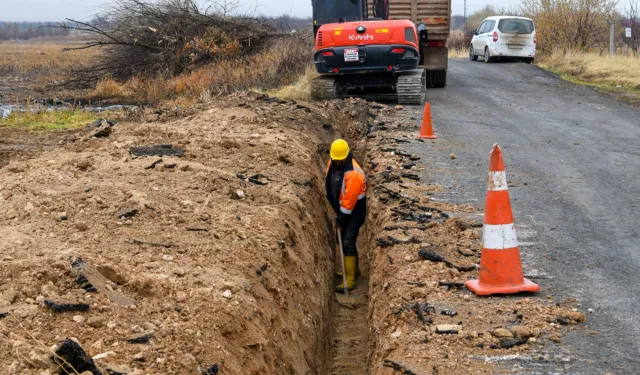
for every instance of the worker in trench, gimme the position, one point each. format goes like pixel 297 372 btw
pixel 346 186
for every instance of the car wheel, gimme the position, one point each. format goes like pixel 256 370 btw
pixel 487 56
pixel 472 56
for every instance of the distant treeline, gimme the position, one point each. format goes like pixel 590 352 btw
pixel 29 30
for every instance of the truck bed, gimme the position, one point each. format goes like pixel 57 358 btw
pixel 436 15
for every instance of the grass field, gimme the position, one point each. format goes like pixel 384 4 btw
pixel 52 120
pixel 22 57
pixel 608 71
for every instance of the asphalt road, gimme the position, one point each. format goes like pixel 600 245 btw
pixel 573 159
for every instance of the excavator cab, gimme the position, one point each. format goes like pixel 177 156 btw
pixel 338 11
pixel 360 56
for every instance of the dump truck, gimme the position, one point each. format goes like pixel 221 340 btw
pixel 436 16
pixel 380 48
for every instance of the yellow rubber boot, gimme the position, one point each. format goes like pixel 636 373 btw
pixel 358 273
pixel 350 269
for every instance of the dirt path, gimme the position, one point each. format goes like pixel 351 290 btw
pixel 350 341
pixel 573 161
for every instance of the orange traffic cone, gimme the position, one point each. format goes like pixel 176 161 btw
pixel 500 267
pixel 427 129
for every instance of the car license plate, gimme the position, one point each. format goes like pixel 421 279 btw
pixel 515 46
pixel 351 55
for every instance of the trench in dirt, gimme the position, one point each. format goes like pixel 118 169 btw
pixel 349 342
pixel 256 285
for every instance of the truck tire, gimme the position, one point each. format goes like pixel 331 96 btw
pixel 440 78
pixel 429 78
pixel 324 88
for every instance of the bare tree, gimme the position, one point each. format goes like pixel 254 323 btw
pixel 167 37
pixel 570 24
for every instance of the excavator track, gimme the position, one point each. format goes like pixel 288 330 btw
pixel 411 87
pixel 324 88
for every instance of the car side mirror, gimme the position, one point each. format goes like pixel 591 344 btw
pixel 474 31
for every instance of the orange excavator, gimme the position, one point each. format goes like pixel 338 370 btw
pixel 375 58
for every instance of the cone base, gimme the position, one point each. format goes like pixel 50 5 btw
pixel 427 136
pixel 487 289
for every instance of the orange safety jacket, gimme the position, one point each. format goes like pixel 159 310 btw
pixel 352 184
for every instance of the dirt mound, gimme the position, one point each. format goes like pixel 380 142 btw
pixel 220 259
pixel 422 319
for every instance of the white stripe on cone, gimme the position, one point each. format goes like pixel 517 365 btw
pixel 499 237
pixel 497 181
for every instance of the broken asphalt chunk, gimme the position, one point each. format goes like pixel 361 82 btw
pixel 391 241
pixel 3 314
pixel 102 130
pixel 84 283
pixel 141 339
pixel 262 269
pixel 430 256
pixel 213 370
pixel 450 284
pixel 153 165
pixel 410 176
pixel 72 359
pixel 127 212
pixel 157 150
pixel 510 343
pixel 94 279
pixel 447 329
pixel 398 367
pixel 258 179
pixel 66 307
pixel 450 313
pixel 112 371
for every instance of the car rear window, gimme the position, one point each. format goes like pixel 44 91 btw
pixel 515 26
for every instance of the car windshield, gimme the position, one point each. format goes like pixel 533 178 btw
pixel 329 11
pixel 515 26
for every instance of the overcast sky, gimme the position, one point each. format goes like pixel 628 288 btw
pixel 56 10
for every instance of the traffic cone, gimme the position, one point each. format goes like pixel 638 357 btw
pixel 500 267
pixel 427 129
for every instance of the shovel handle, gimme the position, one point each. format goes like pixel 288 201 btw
pixel 344 274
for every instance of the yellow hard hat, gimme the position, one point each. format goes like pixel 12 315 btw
pixel 339 149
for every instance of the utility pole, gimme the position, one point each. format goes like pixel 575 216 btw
pixel 465 18
pixel 612 50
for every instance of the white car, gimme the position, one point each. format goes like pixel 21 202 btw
pixel 504 36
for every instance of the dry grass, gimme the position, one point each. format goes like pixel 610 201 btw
pixel 458 44
pixel 458 53
pixel 591 68
pixel 108 88
pixel 301 90
pixel 21 58
pixel 277 66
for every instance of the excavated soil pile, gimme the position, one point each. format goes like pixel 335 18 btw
pixel 218 261
pixel 423 321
